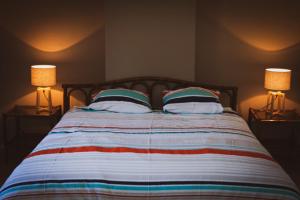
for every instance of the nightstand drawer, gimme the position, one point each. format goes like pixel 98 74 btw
pixel 37 126
pixel 278 148
pixel 273 131
pixel 280 135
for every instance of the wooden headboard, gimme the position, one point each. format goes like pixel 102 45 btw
pixel 153 86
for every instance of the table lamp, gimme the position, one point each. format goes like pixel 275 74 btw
pixel 277 80
pixel 43 76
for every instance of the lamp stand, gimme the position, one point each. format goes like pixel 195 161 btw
pixel 273 98
pixel 46 92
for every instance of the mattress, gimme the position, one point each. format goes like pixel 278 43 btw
pixel 105 155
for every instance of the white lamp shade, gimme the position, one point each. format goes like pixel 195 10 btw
pixel 43 75
pixel 277 79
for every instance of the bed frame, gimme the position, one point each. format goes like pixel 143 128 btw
pixel 153 86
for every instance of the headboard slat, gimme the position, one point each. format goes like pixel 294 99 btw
pixel 150 84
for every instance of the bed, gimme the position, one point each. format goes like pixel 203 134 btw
pixel 107 155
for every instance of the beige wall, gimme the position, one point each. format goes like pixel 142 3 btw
pixel 150 38
pixel 70 36
pixel 236 40
pixel 67 34
pixel 231 42
pixel 223 42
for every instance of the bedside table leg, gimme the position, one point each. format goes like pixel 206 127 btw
pixel 18 127
pixel 293 144
pixel 249 118
pixel 18 136
pixel 53 122
pixel 5 138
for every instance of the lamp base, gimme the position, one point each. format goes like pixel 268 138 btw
pixel 46 92
pixel 273 99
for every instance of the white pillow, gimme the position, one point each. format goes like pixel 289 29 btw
pixel 121 100
pixel 194 107
pixel 119 106
pixel 192 100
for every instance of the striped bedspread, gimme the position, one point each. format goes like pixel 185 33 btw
pixel 101 155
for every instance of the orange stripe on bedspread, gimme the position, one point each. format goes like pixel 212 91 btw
pixel 153 151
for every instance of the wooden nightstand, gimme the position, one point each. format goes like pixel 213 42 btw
pixel 279 134
pixel 22 113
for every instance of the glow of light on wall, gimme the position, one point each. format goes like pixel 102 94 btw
pixel 51 25
pixel 30 98
pixel 266 25
pixel 259 101
pixel 56 39
pixel 57 97
pixel 266 39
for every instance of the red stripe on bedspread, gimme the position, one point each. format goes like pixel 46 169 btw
pixel 154 151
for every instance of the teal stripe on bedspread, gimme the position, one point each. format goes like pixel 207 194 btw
pixel 151 188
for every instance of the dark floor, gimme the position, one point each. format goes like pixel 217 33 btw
pixel 291 166
pixel 15 156
pixel 293 169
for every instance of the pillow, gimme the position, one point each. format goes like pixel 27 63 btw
pixel 192 100
pixel 121 100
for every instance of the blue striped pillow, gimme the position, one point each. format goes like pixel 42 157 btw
pixel 192 100
pixel 121 100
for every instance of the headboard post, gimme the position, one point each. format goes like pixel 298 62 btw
pixel 149 84
pixel 66 98
pixel 233 103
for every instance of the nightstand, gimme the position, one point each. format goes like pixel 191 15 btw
pixel 24 113
pixel 280 134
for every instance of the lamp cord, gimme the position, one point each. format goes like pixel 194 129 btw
pixel 44 93
pixel 264 107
